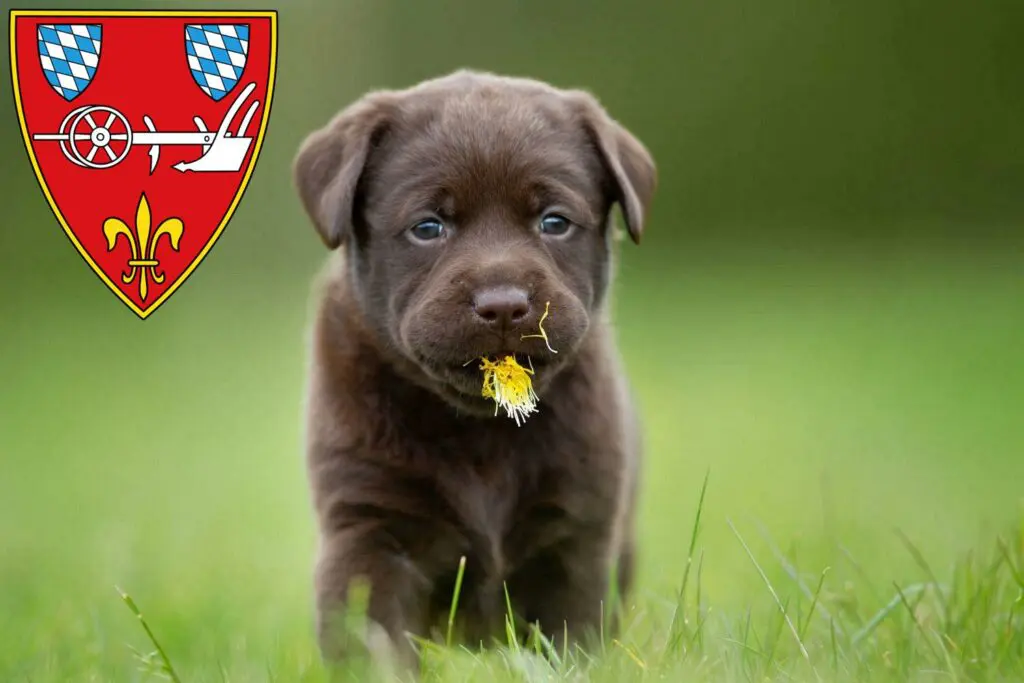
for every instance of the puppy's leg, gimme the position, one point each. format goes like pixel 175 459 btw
pixel 396 605
pixel 564 590
pixel 626 567
pixel 626 553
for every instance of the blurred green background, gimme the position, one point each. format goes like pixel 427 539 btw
pixel 827 312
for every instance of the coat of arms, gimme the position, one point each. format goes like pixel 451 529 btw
pixel 143 129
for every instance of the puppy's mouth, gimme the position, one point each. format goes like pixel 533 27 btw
pixel 473 372
pixel 467 378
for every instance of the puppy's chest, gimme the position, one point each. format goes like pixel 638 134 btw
pixel 482 499
pixel 507 507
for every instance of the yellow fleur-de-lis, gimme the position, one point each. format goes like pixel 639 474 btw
pixel 143 245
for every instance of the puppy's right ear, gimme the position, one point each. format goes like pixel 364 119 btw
pixel 330 163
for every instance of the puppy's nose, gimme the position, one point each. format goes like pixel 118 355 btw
pixel 502 305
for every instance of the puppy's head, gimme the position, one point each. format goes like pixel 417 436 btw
pixel 467 206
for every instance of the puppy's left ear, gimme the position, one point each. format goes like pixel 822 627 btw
pixel 630 164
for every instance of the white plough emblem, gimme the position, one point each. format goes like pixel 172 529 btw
pixel 222 150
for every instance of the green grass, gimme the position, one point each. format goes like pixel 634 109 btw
pixel 858 420
pixel 968 625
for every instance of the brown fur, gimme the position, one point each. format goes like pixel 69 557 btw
pixel 409 466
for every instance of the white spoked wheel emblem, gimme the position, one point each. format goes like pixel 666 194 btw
pixel 97 136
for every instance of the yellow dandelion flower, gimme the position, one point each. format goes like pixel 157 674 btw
pixel 509 384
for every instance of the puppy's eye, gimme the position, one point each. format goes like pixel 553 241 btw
pixel 427 230
pixel 554 225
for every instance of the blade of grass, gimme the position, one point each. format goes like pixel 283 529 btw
pixel 510 623
pixel 881 614
pixel 788 567
pixel 835 649
pixel 545 646
pixel 165 660
pixel 775 596
pixel 1004 651
pixel 923 564
pixel 857 567
pixel 455 600
pixel 913 615
pixel 701 618
pixel 978 595
pixel 814 603
pixel 680 609
pixel 631 653
pixel 1005 550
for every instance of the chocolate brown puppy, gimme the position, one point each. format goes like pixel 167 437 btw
pixel 459 210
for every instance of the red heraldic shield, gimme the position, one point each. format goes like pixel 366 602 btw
pixel 143 129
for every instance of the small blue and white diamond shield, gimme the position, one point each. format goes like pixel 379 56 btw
pixel 216 55
pixel 69 55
